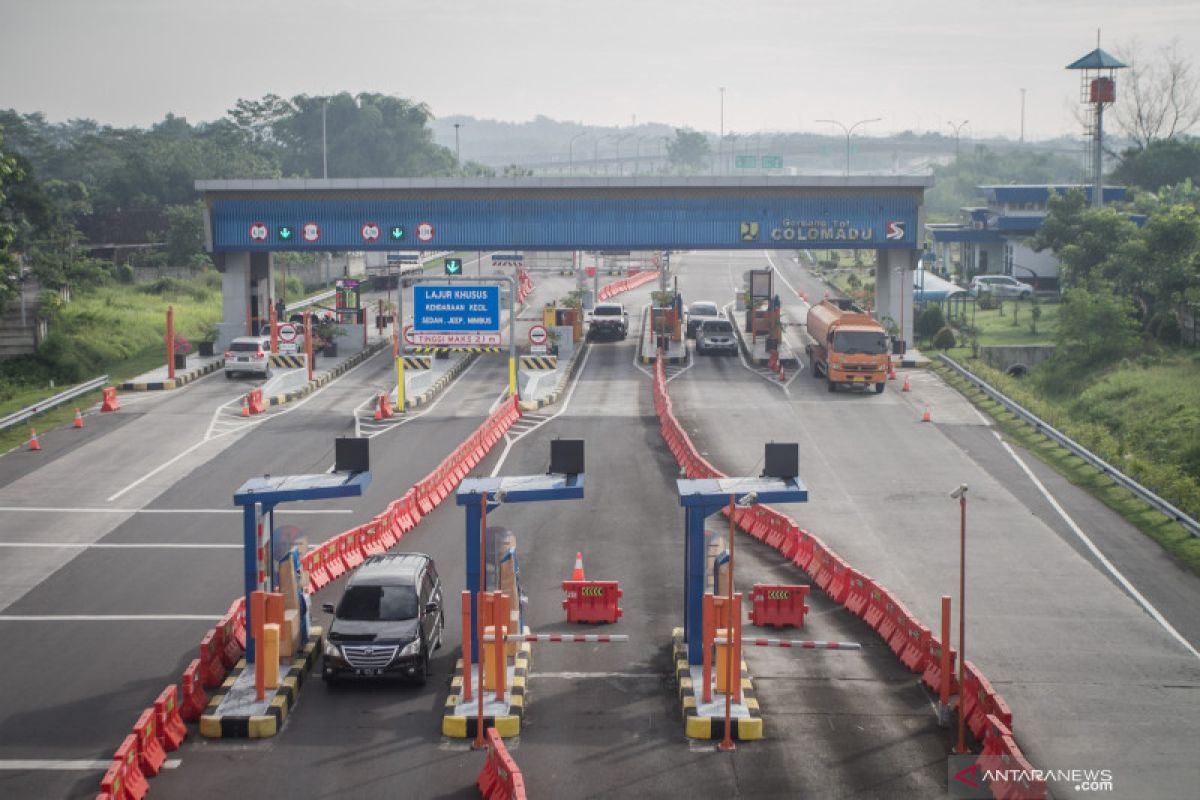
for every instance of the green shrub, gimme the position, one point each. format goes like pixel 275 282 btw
pixel 944 339
pixel 988 302
pixel 929 322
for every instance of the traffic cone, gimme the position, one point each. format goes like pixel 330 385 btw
pixel 891 373
pixel 379 408
pixel 925 416
pixel 78 418
pixel 245 405
pixel 577 573
pixel 905 387
pixel 33 440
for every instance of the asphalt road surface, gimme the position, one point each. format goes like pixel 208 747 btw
pixel 129 543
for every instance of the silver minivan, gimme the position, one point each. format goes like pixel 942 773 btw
pixel 249 354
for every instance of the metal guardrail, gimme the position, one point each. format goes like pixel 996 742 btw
pixel 17 417
pixel 1044 428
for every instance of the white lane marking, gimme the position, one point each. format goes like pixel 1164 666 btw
pixel 779 272
pixel 571 676
pixel 48 510
pixel 157 470
pixel 1146 605
pixel 109 617
pixel 126 545
pixel 67 764
pixel 566 403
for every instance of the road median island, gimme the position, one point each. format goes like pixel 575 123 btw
pixel 156 379
pixel 707 720
pixel 911 642
pixel 461 718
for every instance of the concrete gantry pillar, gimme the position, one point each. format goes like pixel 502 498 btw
pixel 246 279
pixel 893 288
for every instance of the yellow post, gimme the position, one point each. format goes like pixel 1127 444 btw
pixel 401 404
pixel 722 660
pixel 270 656
pixel 512 376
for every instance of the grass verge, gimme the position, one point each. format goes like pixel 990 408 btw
pixel 1174 539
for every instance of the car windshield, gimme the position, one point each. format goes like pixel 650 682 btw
pixel 718 326
pixel 606 311
pixel 869 343
pixel 244 347
pixel 703 309
pixel 378 603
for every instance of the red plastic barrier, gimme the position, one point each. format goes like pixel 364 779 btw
pixel 791 541
pixel 135 782
pixel 150 753
pixel 500 778
pixel 916 646
pixel 932 677
pixel 1013 773
pixel 171 730
pixel 887 625
pixel 778 605
pixel 979 700
pixel 821 568
pixel 332 558
pixel 318 575
pixel 194 698
pixel 212 669
pixel 806 550
pixel 592 601
pixel 111 403
pixel 858 595
pixel 839 583
pixel 351 548
pixel 113 783
pixel 238 609
pixel 901 619
pixel 255 398
pixel 231 652
pixel 876 605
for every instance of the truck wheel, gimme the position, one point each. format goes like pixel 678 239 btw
pixel 879 387
pixel 830 384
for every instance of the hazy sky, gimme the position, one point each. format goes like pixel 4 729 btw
pixel 784 65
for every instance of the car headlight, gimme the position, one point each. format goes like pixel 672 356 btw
pixel 412 648
pixel 332 649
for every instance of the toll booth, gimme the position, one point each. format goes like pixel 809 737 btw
pixel 760 284
pixel 348 301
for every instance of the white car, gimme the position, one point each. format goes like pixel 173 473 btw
pixel 698 312
pixel 249 354
pixel 716 335
pixel 999 286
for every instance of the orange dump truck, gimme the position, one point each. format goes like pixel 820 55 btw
pixel 847 346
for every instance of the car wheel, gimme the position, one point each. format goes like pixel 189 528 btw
pixel 879 387
pixel 441 632
pixel 1024 295
pixel 228 375
pixel 422 676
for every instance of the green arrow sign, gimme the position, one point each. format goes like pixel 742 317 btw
pixel 453 266
pixel 286 233
pixel 397 232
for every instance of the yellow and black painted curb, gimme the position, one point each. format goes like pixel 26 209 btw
pixel 698 727
pixel 289 360
pixel 461 724
pixel 416 362
pixel 440 384
pixel 215 725
pixel 539 362
pixel 180 380
pixel 325 377
pixel 564 378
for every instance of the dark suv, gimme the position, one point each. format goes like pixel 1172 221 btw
pixel 389 620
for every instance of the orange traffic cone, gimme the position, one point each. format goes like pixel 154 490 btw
pixel 925 416
pixel 891 373
pixel 245 405
pixel 379 408
pixel 78 418
pixel 577 573
pixel 33 440
pixel 905 387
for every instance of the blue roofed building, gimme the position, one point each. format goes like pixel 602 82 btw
pixel 992 239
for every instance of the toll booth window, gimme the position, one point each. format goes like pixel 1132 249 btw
pixel 378 603
pixel 860 342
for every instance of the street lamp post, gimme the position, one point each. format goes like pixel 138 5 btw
pixel 457 152
pixel 957 129
pixel 620 138
pixel 849 131
pixel 960 494
pixel 721 135
pixel 571 152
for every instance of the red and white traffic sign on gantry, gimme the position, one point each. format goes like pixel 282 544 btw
pixel 369 232
pixel 537 334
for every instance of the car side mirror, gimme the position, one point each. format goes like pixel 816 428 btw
pixel 327 608
pixel 431 607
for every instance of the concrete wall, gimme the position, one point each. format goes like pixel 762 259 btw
pixel 1006 357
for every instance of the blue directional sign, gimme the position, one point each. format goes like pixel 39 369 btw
pixel 456 308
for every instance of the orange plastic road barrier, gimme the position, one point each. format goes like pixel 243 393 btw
pixel 933 675
pixel 150 753
pixel 231 651
pixel 500 778
pixel 778 605
pixel 257 404
pixel 592 601
pixel 111 403
pixel 171 730
pixel 859 594
pixel 979 700
pixel 194 698
pixel 78 418
pixel 876 607
pixel 838 587
pixel 916 646
pixel 577 572
pixel 135 782
pixel 34 444
pixel 212 669
pixel 112 785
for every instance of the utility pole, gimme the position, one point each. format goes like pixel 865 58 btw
pixel 957 129
pixel 721 136
pixel 457 152
pixel 1022 116
pixel 324 151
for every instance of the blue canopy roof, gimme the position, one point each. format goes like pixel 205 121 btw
pixel 1097 59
